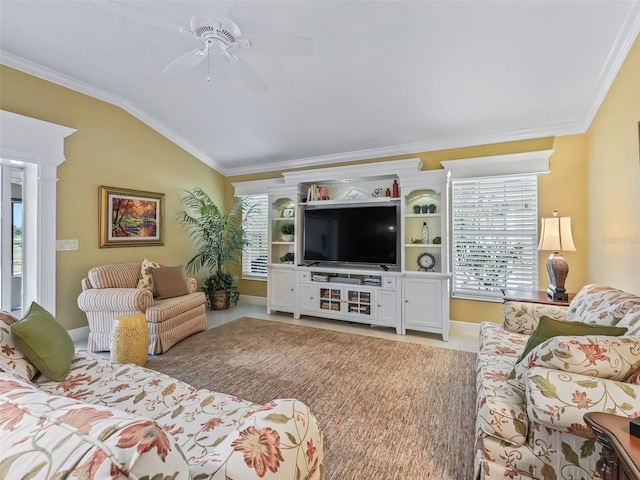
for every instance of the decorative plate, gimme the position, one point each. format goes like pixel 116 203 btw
pixel 378 192
pixel 426 261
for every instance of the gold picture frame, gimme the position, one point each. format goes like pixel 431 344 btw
pixel 130 218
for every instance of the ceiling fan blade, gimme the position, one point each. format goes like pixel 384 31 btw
pixel 185 62
pixel 280 44
pixel 137 15
pixel 248 74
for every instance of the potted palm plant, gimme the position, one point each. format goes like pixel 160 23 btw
pixel 219 239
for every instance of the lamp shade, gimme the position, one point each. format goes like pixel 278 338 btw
pixel 555 234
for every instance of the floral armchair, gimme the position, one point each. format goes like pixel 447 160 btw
pixel 530 410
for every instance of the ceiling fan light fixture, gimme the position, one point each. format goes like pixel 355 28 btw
pixel 198 22
pixel 225 38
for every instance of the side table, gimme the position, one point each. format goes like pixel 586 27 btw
pixel 620 456
pixel 533 296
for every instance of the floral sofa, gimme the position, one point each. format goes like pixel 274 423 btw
pixel 115 421
pixel 529 422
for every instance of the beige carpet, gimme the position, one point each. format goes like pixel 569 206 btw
pixel 389 410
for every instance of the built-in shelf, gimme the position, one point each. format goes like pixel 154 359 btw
pixel 404 297
pixel 351 200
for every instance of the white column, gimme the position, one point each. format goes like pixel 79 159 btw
pixel 39 147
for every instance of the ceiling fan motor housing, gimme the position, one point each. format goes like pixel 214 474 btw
pixel 213 32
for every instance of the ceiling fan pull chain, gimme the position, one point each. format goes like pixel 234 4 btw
pixel 208 66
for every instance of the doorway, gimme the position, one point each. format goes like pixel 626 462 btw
pixel 12 234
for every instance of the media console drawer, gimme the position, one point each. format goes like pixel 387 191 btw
pixel 389 282
pixel 305 276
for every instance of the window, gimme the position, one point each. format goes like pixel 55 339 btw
pixel 494 235
pixel 254 256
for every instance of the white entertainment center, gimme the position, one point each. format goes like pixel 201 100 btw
pixel 407 295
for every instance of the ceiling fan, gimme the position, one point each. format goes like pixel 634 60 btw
pixel 220 39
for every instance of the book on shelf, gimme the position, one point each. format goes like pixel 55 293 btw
pixel 316 192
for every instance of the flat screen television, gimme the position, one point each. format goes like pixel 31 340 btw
pixel 360 234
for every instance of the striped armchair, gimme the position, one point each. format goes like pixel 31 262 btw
pixel 111 290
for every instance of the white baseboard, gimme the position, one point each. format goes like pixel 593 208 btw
pixel 252 300
pixel 79 334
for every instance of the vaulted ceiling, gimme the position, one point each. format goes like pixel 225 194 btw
pixel 384 77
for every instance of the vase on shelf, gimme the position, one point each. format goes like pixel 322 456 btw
pixel 424 233
pixel 416 208
pixel 287 238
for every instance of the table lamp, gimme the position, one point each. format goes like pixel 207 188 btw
pixel 555 235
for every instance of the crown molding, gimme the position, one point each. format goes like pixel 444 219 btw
pixel 411 148
pixel 627 35
pixel 85 88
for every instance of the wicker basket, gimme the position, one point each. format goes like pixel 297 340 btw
pixel 219 299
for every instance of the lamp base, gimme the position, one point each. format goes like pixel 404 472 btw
pixel 558 269
pixel 555 293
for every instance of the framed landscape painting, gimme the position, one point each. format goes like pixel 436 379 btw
pixel 130 218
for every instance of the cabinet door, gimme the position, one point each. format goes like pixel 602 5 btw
pixel 359 304
pixel 307 298
pixel 282 292
pixel 387 313
pixel 422 303
pixel 330 299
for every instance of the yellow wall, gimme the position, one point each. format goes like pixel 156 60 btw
pixel 614 182
pixel 595 179
pixel 109 148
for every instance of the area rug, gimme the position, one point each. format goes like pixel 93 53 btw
pixel 389 410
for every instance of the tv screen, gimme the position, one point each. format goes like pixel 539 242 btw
pixel 361 234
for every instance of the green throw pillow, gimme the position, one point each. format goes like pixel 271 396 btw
pixel 548 328
pixel 44 342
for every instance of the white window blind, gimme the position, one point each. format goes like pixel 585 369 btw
pixel 254 256
pixel 494 235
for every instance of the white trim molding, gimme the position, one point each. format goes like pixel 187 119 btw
pixel 39 147
pixel 510 164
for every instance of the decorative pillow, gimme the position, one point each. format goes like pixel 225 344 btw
pixel 146 279
pixel 170 281
pixel 11 372
pixel 549 327
pixel 7 318
pixel 634 377
pixel 597 304
pixel 613 358
pixel 44 342
pixel 631 321
pixel 9 354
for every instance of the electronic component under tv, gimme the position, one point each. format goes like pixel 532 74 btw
pixel 359 234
